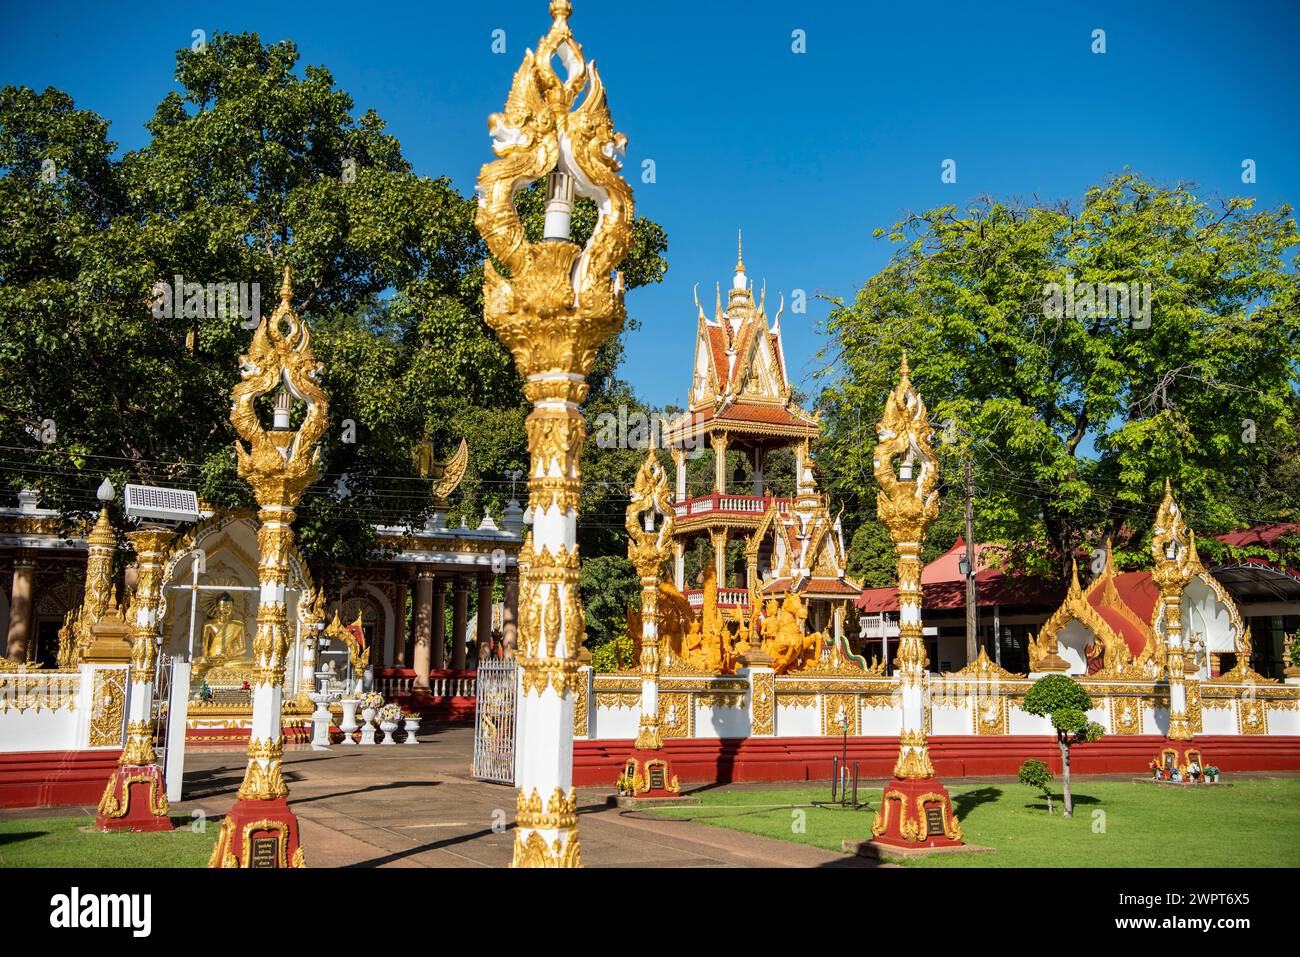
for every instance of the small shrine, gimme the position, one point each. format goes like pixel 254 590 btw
pixel 741 400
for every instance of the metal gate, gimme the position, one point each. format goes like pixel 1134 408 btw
pixel 158 709
pixel 494 721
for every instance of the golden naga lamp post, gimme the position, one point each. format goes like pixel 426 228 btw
pixel 559 303
pixel 279 463
pixel 646 772
pixel 136 796
pixel 1174 549
pixel 916 810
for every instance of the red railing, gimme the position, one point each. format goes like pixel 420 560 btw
pixel 728 504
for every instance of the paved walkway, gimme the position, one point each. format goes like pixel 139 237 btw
pixel 416 806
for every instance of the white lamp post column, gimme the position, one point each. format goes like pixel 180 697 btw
pixel 136 796
pixel 559 305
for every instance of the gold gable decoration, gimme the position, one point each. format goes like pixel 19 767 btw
pixel 447 475
pixel 357 655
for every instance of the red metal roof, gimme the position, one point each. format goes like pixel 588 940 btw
pixel 943 588
pixel 1265 535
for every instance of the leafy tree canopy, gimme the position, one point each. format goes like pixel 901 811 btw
pixel 1074 413
pixel 251 164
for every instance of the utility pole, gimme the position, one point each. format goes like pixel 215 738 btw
pixel 972 621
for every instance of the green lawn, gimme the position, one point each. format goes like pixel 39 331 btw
pixel 1254 823
pixel 62 842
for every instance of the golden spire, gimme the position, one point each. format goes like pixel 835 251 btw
pixel 560 10
pixel 904 373
pixel 286 288
pixel 740 252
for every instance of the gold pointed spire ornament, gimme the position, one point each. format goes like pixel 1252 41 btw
pixel 907 471
pixel 1173 547
pixel 136 796
pixel 560 303
pixel 279 463
pixel 648 548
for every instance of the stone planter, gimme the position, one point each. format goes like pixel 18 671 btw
pixel 368 726
pixel 412 725
pixel 349 723
pixel 388 727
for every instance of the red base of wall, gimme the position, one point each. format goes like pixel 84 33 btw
pixel 440 708
pixel 55 778
pixel 708 761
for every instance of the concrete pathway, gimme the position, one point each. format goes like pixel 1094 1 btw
pixel 416 806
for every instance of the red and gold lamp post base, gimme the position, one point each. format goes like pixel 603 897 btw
pixel 256 834
pixel 134 800
pixel 647 776
pixel 916 815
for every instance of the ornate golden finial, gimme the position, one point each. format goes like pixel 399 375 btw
pixel 904 373
pixel 907 501
pixel 560 9
pixel 647 550
pixel 279 464
pixel 740 252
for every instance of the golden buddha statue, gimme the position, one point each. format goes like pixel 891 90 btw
pixel 225 635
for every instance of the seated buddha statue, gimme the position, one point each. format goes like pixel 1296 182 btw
pixel 225 636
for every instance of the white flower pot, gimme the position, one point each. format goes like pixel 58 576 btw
pixel 368 726
pixel 349 723
pixel 412 726
pixel 388 727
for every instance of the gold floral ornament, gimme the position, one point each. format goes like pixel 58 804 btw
pixel 648 549
pixel 560 302
pixel 279 463
pixel 1173 546
pixel 908 500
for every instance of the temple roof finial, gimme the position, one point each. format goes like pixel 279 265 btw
pixel 560 9
pixel 738 281
pixel 286 288
pixel 905 372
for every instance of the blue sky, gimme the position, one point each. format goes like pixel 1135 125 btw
pixel 807 152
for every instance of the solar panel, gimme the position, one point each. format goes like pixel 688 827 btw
pixel 163 504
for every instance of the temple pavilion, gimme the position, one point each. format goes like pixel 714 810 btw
pixel 742 404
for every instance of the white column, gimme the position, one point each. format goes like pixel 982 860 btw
pixel 150 548
pixel 546 831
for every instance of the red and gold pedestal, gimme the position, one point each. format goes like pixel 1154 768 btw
pixel 258 834
pixel 134 800
pixel 647 775
pixel 916 814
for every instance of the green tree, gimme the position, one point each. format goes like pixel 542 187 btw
pixel 1074 415
pixel 251 164
pixel 1035 774
pixel 1064 701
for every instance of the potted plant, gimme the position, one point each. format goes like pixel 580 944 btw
pixel 389 716
pixel 370 703
pixel 1211 773
pixel 1155 769
pixel 411 722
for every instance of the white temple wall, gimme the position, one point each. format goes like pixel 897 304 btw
pixel 881 721
pixel 713 719
pixel 799 721
pixel 63 710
